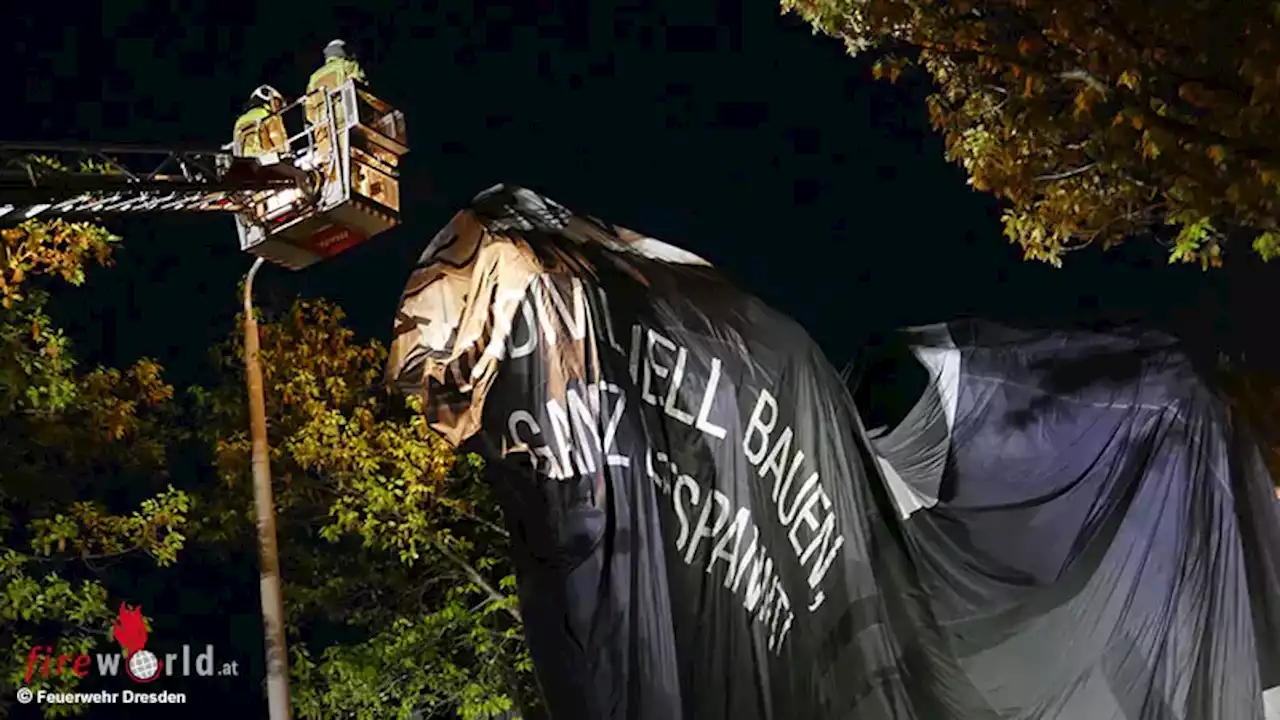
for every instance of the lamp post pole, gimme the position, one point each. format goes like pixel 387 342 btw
pixel 264 504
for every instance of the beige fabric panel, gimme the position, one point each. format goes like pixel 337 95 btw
pixel 456 312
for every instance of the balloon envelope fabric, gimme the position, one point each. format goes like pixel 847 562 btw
pixel 1062 526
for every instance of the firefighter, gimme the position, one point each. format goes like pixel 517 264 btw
pixel 260 129
pixel 339 66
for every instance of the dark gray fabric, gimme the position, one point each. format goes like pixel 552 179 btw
pixel 1104 544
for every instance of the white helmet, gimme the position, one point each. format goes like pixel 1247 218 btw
pixel 266 94
pixel 335 49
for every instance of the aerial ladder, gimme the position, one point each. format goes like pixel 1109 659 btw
pixel 333 185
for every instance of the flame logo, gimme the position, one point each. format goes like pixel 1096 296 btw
pixel 130 629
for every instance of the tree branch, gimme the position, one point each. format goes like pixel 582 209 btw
pixel 1066 174
pixel 1080 75
pixel 83 556
pixel 475 577
pixel 1124 217
pixel 486 523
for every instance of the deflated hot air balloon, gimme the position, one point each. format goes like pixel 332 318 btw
pixel 1056 525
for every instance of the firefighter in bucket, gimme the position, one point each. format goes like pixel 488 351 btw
pixel 339 66
pixel 259 129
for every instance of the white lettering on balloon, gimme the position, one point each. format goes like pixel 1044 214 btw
pixel 576 434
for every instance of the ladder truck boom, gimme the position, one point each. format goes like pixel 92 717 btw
pixel 85 180
pixel 331 185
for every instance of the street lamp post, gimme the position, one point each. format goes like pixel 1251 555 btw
pixel 264 504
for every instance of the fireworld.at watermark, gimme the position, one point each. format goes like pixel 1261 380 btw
pixel 135 661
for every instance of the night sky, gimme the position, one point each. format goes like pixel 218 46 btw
pixel 737 134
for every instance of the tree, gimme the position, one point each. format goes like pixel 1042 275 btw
pixel 84 488
pixel 398 593
pixel 1096 120
pixel 413 566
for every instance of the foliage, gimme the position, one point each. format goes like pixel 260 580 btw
pixel 410 538
pixel 1097 120
pixel 55 248
pixel 84 484
pixel 398 595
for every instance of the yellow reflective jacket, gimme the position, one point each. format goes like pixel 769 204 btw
pixel 259 131
pixel 247 131
pixel 334 72
pixel 331 74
